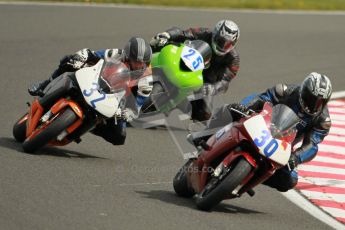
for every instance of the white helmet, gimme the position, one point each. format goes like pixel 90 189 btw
pixel 224 37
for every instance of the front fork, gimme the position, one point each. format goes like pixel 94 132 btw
pixel 35 117
pixel 258 174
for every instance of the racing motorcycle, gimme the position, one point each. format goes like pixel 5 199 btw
pixel 74 104
pixel 238 157
pixel 181 66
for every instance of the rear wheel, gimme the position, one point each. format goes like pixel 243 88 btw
pixel 19 129
pixel 180 182
pixel 50 132
pixel 215 191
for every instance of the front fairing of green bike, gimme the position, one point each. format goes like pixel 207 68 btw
pixel 182 80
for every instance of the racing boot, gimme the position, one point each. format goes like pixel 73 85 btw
pixel 37 88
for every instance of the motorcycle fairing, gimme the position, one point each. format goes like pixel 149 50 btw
pixel 275 149
pixel 55 89
pixel 219 134
pixel 34 115
pixel 106 104
pixel 192 59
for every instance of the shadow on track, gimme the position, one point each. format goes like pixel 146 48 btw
pixel 172 198
pixel 158 127
pixel 10 143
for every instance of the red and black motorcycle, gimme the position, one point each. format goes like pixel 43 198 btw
pixel 238 157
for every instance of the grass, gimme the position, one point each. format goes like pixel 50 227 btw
pixel 248 4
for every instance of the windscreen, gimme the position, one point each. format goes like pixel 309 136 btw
pixel 283 121
pixel 113 77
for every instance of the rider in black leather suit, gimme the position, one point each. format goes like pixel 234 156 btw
pixel 224 63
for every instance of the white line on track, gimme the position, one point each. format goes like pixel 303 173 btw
pixel 151 7
pixel 303 203
pixel 337 117
pixel 332 149
pixel 339 94
pixel 323 196
pixel 331 137
pixel 323 182
pixel 320 169
pixel 335 130
pixel 335 211
pixel 329 160
pixel 336 110
pixel 337 122
pixel 336 103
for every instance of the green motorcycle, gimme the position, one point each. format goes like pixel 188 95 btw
pixel 177 74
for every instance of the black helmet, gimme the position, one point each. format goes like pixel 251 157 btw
pixel 138 53
pixel 315 92
pixel 203 48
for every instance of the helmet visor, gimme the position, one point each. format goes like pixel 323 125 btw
pixel 137 65
pixel 222 44
pixel 312 104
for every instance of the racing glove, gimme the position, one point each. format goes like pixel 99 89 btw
pixel 293 161
pixel 129 115
pixel 222 86
pixel 113 55
pixel 125 114
pixel 295 158
pixel 145 86
pixel 208 90
pixel 160 40
pixel 214 89
pixel 241 108
pixel 82 57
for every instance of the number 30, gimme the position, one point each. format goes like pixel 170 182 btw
pixel 271 147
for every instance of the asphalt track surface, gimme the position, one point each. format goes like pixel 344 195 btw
pixel 94 185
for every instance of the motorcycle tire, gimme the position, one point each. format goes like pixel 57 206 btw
pixel 19 129
pixel 224 187
pixel 180 182
pixel 48 133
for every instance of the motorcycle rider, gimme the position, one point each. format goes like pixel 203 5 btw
pixel 136 55
pixel 309 101
pixel 224 63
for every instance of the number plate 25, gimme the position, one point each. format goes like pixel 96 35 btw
pixel 192 58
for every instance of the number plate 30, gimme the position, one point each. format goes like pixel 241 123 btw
pixel 268 146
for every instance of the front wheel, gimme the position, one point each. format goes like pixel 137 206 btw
pixel 180 182
pixel 214 192
pixel 50 132
pixel 19 129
